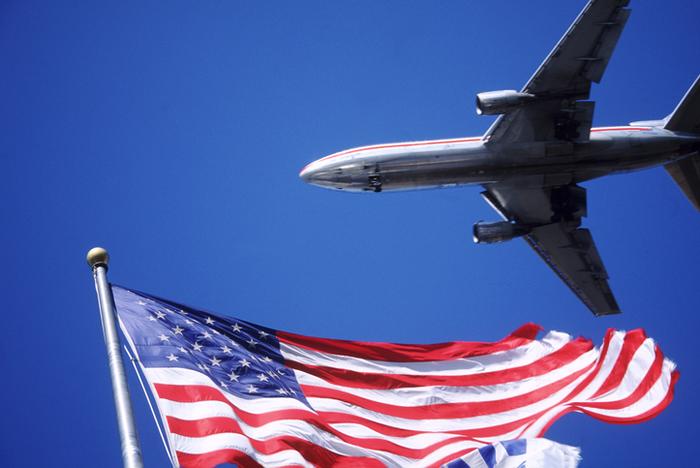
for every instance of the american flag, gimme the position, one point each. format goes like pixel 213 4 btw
pixel 230 391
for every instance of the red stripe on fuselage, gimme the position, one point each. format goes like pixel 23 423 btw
pixel 620 129
pixel 440 142
pixel 394 145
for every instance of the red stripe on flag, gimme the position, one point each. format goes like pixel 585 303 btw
pixel 651 377
pixel 209 459
pixel 647 415
pixel 203 427
pixel 221 425
pixel 322 419
pixel 395 352
pixel 583 384
pixel 310 451
pixel 632 341
pixel 447 410
pixel 348 378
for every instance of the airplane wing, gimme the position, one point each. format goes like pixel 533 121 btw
pixel 568 249
pixel 562 83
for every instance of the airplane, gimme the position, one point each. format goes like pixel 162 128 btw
pixel 534 157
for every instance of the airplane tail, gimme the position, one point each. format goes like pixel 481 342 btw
pixel 686 173
pixel 686 118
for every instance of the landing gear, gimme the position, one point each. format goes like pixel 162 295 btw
pixel 375 182
pixel 568 204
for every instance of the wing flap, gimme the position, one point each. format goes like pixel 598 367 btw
pixel 583 53
pixel 553 213
pixel 606 46
pixel 573 256
pixel 563 80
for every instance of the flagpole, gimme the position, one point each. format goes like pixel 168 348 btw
pixel 98 259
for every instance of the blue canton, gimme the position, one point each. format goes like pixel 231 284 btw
pixel 243 359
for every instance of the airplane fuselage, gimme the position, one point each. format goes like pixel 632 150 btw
pixel 468 161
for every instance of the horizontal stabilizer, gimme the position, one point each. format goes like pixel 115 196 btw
pixel 686 117
pixel 686 173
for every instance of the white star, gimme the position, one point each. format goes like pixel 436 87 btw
pixel 215 362
pixel 197 346
pixel 271 373
pixel 280 372
pixel 177 330
pixel 292 390
pixel 160 314
pixel 209 321
pixel 183 312
pixel 263 378
pixel 244 363
pixel 216 332
pixel 266 359
pixel 203 367
pixel 171 357
pixel 251 342
pixel 281 391
pixel 236 327
pixel 188 322
pixel 233 376
pixel 152 318
pixel 223 384
pixel 206 335
pixel 233 343
pixel 164 338
pixel 182 349
pixel 226 350
pixel 141 303
pixel 252 389
pixel 262 334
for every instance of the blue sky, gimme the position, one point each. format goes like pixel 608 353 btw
pixel 172 133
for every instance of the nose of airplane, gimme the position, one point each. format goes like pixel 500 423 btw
pixel 317 176
pixel 306 174
pixel 324 176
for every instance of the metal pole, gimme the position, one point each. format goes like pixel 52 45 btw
pixel 98 258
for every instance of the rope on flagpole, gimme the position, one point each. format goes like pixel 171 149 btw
pixel 148 399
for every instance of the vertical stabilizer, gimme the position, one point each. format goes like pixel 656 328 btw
pixel 686 117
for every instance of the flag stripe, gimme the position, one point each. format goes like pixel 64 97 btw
pixel 412 352
pixel 228 418
pixel 632 341
pixel 303 449
pixel 420 396
pixel 219 456
pixel 218 409
pixel 635 389
pixel 519 356
pixel 204 428
pixel 566 354
pixel 216 425
pixel 203 393
pixel 445 410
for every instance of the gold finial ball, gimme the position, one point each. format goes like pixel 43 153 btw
pixel 97 256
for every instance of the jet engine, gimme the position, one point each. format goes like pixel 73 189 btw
pixel 500 102
pixel 490 233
